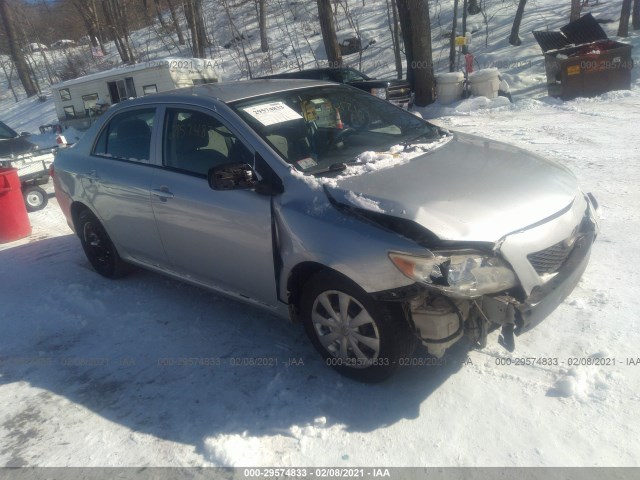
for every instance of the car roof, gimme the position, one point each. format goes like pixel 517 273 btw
pixel 232 91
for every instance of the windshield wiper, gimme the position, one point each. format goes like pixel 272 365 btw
pixel 409 143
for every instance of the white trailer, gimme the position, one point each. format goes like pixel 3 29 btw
pixel 79 101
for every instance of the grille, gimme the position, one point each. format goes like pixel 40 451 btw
pixel 400 93
pixel 550 259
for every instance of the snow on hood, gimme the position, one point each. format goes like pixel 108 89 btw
pixel 370 161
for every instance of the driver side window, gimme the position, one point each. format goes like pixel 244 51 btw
pixel 195 142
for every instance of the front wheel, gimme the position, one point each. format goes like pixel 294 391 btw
pixel 98 247
pixel 359 337
pixel 35 198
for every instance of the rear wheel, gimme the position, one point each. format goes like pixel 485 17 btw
pixel 35 198
pixel 98 247
pixel 359 337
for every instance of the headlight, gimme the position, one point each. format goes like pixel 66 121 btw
pixel 463 273
pixel 379 92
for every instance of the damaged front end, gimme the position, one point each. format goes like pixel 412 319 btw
pixel 466 293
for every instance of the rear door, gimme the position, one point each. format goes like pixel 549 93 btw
pixel 117 184
pixel 218 238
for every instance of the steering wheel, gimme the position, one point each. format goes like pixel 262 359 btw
pixel 341 136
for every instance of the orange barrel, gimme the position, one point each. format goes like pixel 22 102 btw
pixel 14 220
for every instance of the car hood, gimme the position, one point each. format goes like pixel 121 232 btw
pixel 469 189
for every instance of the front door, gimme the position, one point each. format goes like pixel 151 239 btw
pixel 219 238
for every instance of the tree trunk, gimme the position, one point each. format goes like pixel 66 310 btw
pixel 416 32
pixel 334 56
pixel 163 23
pixel 14 51
pixel 176 22
pixel 262 16
pixel 635 19
pixel 465 49
pixel 145 12
pixel 392 16
pixel 32 74
pixel 405 28
pixel 192 8
pixel 514 38
pixel 623 29
pixel 452 40
pixel 202 30
pixel 89 15
pixel 8 76
pixel 575 10
pixel 117 23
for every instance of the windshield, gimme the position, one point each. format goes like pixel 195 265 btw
pixel 323 128
pixel 6 133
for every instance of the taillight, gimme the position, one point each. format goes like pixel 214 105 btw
pixel 52 170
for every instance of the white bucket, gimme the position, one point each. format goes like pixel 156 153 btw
pixel 449 87
pixel 485 83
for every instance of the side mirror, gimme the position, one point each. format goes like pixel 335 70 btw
pixel 232 176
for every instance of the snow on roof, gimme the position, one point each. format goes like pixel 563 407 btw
pixel 199 64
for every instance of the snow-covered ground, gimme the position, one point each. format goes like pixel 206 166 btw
pixel 147 371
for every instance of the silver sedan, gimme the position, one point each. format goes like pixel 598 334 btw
pixel 328 206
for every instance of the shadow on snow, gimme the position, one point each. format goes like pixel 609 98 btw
pixel 112 347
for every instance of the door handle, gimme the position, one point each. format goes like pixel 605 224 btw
pixel 162 193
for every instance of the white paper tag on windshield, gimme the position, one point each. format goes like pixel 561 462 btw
pixel 307 163
pixel 272 113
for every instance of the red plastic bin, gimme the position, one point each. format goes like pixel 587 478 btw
pixel 14 219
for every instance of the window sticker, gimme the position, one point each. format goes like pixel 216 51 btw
pixel 307 163
pixel 272 113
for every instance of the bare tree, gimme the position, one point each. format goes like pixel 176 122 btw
pixel 283 25
pixel 159 16
pixel 452 39
pixel 465 13
pixel 416 34
pixel 329 33
pixel 635 19
pixel 176 22
pixel 514 38
pixel 394 27
pixel 238 42
pixel 575 10
pixel 262 21
pixel 195 21
pixel 15 53
pixel 117 23
pixel 625 13
pixel 89 14
pixel 8 75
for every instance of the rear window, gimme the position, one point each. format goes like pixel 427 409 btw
pixel 127 136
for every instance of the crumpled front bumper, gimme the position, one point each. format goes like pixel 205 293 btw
pixel 546 298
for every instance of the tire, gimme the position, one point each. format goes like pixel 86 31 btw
pixel 368 351
pixel 35 198
pixel 98 247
